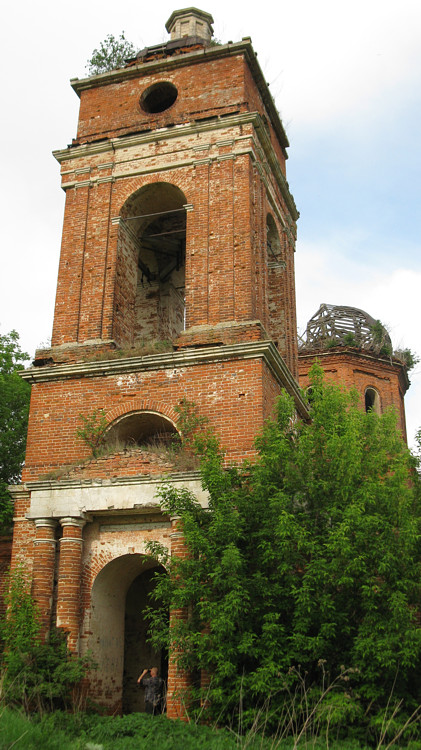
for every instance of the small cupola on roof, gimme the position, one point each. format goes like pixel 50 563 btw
pixel 190 22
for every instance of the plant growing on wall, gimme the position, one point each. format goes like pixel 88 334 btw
pixel 381 339
pixel 93 429
pixel 112 53
pixel 189 422
pixel 408 357
pixel 311 553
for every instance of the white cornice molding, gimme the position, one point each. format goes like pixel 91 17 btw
pixel 186 131
pixel 46 485
pixel 265 350
pixel 152 136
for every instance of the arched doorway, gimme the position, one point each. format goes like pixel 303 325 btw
pixel 138 652
pixel 118 631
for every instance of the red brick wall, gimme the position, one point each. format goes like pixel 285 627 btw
pixel 227 277
pixel 230 394
pixel 206 88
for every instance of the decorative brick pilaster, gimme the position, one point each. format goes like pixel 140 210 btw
pixel 70 568
pixel 43 569
pixel 179 680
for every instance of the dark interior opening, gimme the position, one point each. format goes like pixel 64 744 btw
pixel 142 429
pixel 159 97
pixel 138 652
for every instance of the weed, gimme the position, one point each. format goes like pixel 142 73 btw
pixel 93 429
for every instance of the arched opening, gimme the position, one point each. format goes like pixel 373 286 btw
pixel 372 400
pixel 151 273
pixel 118 631
pixel 142 428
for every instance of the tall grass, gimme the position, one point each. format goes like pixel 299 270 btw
pixel 61 731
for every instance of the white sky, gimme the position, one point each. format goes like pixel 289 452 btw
pixel 346 77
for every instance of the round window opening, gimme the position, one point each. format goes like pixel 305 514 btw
pixel 159 97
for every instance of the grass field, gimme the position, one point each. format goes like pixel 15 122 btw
pixel 59 731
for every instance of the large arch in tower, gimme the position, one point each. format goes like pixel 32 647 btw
pixel 149 300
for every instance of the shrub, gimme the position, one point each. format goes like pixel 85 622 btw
pixel 38 674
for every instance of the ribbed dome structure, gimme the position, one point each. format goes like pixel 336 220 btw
pixel 334 325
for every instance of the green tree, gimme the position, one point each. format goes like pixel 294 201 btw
pixel 14 408
pixel 111 54
pixel 307 560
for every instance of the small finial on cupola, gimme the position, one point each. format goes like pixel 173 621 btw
pixel 190 22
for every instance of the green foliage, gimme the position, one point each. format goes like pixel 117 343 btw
pixel 331 343
pixel 93 429
pixel 312 553
pixel 409 358
pixel 14 409
pixel 189 422
pixel 37 674
pixel 62 731
pixel 111 54
pixel 349 339
pixel 18 731
pixel 381 339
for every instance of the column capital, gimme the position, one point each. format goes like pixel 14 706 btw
pixel 73 521
pixel 50 523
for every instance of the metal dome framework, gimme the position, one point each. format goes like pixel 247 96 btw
pixel 334 325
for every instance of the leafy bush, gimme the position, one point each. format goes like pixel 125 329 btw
pixel 409 358
pixel 38 674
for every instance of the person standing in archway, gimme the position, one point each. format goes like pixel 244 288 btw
pixel 154 690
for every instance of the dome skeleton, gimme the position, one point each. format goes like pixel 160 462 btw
pixel 334 323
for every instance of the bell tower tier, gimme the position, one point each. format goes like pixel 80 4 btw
pixel 179 224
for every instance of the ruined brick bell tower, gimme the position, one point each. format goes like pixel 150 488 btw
pixel 176 281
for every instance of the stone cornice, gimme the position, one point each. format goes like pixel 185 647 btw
pixel 265 350
pixel 177 61
pixel 184 131
pixel 66 485
pixel 18 491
